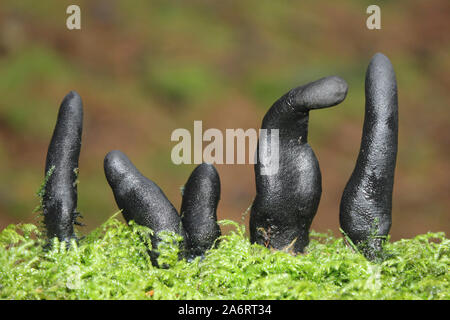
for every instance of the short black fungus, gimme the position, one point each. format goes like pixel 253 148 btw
pixel 201 196
pixel 141 200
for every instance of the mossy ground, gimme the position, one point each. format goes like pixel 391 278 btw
pixel 112 263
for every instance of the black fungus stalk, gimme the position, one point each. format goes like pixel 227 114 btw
pixel 201 196
pixel 366 204
pixel 141 200
pixel 287 197
pixel 60 196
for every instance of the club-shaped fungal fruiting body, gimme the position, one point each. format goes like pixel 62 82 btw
pixel 287 198
pixel 141 200
pixel 201 195
pixel 59 201
pixel 366 204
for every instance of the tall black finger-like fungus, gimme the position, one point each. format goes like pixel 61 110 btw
pixel 288 190
pixel 201 195
pixel 366 204
pixel 59 200
pixel 141 200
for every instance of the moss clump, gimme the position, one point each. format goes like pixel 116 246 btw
pixel 112 263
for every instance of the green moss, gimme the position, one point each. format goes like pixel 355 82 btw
pixel 41 191
pixel 112 263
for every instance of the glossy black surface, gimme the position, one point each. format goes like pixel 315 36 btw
pixel 286 201
pixel 201 196
pixel 366 203
pixel 60 197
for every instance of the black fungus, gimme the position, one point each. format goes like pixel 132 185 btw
pixel 366 204
pixel 288 190
pixel 201 196
pixel 141 200
pixel 59 201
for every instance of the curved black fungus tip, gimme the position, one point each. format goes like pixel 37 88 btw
pixel 288 191
pixel 365 210
pixel 59 201
pixel 141 200
pixel 201 195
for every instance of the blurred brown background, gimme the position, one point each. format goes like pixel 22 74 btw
pixel 145 68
